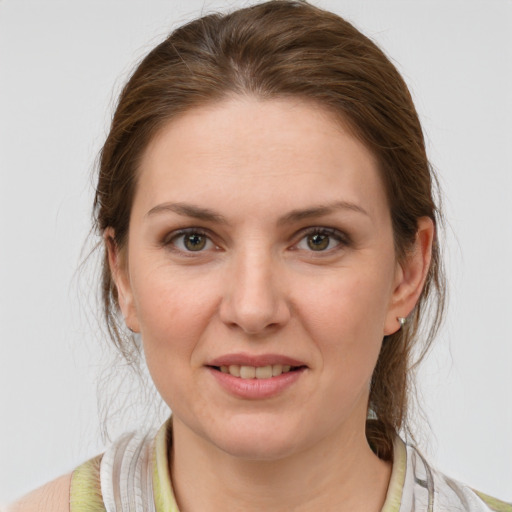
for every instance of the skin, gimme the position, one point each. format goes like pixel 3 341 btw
pixel 52 497
pixel 258 287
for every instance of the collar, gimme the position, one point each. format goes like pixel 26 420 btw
pixel 166 501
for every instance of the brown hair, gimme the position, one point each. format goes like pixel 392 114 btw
pixel 280 49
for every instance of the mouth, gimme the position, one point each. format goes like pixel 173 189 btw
pixel 257 372
pixel 256 376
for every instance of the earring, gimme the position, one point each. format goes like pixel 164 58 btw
pixel 402 321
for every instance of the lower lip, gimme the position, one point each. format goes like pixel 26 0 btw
pixel 256 389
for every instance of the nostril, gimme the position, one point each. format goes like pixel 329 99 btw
pixel 254 301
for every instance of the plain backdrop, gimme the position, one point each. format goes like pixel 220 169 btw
pixel 62 64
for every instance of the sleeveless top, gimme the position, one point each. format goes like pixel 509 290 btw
pixel 133 476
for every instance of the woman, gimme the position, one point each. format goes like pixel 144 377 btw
pixel 269 225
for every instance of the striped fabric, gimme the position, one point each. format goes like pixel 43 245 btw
pixel 133 476
pixel 126 474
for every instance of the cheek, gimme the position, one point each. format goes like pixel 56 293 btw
pixel 173 317
pixel 345 318
pixel 173 312
pixel 346 301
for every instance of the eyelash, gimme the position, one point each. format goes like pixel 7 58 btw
pixel 175 236
pixel 341 238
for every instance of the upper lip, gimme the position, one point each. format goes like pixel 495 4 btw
pixel 244 359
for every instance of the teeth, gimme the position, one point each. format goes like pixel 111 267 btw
pixel 234 370
pixel 277 369
pixel 247 372
pixel 264 372
pixel 256 372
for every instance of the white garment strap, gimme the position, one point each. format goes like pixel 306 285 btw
pixel 126 474
pixel 418 493
pixel 427 490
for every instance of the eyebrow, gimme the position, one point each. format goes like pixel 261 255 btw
pixel 320 211
pixel 189 210
pixel 205 214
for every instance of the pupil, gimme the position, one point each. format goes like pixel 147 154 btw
pixel 195 242
pixel 318 242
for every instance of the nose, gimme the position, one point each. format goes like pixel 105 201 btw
pixel 255 298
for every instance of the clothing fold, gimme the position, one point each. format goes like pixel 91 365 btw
pixel 133 476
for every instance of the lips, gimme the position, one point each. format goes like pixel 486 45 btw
pixel 247 366
pixel 249 376
pixel 244 359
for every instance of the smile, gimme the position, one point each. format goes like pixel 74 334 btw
pixel 256 372
pixel 256 382
pixel 256 377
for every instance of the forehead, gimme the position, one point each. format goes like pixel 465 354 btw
pixel 259 151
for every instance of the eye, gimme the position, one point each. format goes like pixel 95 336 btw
pixel 191 240
pixel 321 240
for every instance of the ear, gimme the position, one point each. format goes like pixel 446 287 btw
pixel 120 275
pixel 410 276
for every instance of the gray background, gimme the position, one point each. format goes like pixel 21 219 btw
pixel 62 64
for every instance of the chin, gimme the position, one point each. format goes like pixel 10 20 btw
pixel 258 438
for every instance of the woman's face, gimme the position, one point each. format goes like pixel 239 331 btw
pixel 260 239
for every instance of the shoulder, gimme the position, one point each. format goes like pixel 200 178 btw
pixel 83 490
pixel 451 493
pixel 494 504
pixel 441 492
pixel 52 497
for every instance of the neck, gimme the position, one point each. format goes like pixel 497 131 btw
pixel 349 477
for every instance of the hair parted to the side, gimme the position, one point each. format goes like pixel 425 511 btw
pixel 279 49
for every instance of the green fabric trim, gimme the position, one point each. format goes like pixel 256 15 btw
pixel 162 487
pixel 397 480
pixel 85 491
pixel 165 501
pixel 493 503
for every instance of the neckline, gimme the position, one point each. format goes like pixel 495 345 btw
pixel 165 499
